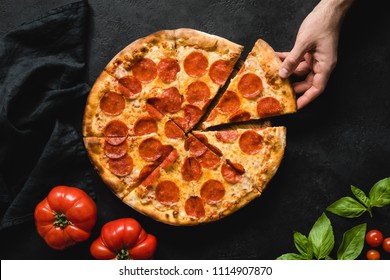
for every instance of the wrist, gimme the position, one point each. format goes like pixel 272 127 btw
pixel 333 10
pixel 338 6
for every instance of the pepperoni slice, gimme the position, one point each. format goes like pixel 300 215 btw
pixel 191 169
pixel 202 138
pixel 229 103
pixel 151 177
pixel 195 64
pixel 171 100
pixel 145 172
pixel 250 142
pixel 238 167
pixel 170 158
pixel 195 147
pixel 167 69
pixel 192 114
pixel 198 92
pixel 231 174
pixel 227 136
pixel 268 106
pixel 215 150
pixel 194 207
pixel 152 111
pixel 212 191
pixel 115 132
pixel 144 126
pixel 112 103
pixel 173 131
pixel 150 149
pixel 182 122
pixel 167 192
pixel 129 86
pixel 240 116
pixel 220 71
pixel 116 151
pixel 121 166
pixel 250 85
pixel 145 70
pixel 212 116
pixel 209 160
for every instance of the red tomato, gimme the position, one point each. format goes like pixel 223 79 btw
pixel 374 238
pixel 386 244
pixel 373 255
pixel 65 217
pixel 123 239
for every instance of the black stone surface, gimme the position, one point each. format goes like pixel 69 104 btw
pixel 341 139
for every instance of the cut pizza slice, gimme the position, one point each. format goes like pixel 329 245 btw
pixel 111 113
pixel 205 62
pixel 124 165
pixel 256 92
pixel 194 188
pixel 253 155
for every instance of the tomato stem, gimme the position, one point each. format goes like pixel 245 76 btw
pixel 123 254
pixel 60 220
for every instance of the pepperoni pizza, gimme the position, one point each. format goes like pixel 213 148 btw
pixel 139 120
pixel 256 92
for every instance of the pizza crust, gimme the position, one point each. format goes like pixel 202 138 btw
pixel 94 148
pixel 163 40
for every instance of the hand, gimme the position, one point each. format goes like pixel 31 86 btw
pixel 315 51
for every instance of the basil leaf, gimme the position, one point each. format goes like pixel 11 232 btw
pixel 291 256
pixel 352 244
pixel 321 237
pixel 361 196
pixel 380 193
pixel 347 207
pixel 303 245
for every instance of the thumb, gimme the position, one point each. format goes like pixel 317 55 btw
pixel 292 60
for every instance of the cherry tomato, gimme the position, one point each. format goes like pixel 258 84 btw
pixel 374 238
pixel 386 244
pixel 373 255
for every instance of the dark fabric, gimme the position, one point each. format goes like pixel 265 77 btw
pixel 42 93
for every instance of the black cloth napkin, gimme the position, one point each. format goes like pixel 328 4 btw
pixel 42 99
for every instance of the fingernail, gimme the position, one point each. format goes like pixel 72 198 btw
pixel 283 73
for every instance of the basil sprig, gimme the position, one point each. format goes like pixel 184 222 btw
pixel 320 242
pixel 349 207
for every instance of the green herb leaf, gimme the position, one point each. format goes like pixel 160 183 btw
pixel 361 196
pixel 352 244
pixel 303 245
pixel 291 256
pixel 321 237
pixel 380 193
pixel 347 207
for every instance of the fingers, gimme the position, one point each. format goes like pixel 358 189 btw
pixel 311 94
pixel 302 69
pixel 292 60
pixel 311 88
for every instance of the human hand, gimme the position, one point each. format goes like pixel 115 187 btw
pixel 314 54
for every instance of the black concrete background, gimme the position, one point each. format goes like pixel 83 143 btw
pixel 341 139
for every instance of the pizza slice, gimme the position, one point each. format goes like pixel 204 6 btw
pixel 124 165
pixel 194 188
pixel 253 155
pixel 111 113
pixel 205 62
pixel 256 92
